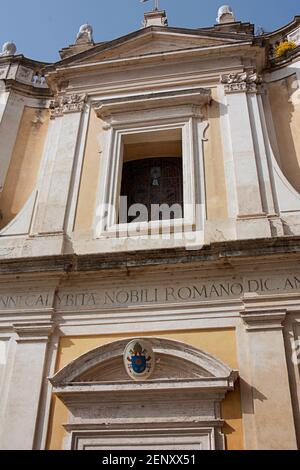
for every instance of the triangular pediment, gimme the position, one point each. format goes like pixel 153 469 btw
pixel 153 44
pixel 151 41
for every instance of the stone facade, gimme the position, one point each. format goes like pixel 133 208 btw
pixel 214 294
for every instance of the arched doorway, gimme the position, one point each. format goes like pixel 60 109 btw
pixel 178 407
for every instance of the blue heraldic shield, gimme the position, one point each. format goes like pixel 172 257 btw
pixel 139 364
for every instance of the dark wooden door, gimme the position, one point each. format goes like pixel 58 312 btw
pixel 153 181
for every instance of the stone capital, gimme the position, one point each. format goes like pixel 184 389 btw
pixel 263 320
pixel 35 332
pixel 242 82
pixel 67 104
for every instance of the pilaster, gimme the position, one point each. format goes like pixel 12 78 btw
pixel 243 117
pixel 66 113
pixel 20 415
pixel 273 422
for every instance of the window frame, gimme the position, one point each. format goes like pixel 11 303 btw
pixel 188 119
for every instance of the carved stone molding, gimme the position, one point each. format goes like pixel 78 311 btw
pixel 264 320
pixel 185 390
pixel 33 332
pixel 242 82
pixel 155 18
pixel 107 363
pixel 198 97
pixel 67 104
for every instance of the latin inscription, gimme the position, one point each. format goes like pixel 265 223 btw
pixel 157 295
pixel 25 301
pixel 177 294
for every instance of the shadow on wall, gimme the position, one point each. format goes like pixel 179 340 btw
pixel 24 165
pixel 249 391
pixel 285 105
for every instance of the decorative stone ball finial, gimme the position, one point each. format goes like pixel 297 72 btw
pixel 85 34
pixel 225 15
pixel 8 49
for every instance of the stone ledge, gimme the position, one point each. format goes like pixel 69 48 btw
pixel 216 253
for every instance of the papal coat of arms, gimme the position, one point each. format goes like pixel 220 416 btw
pixel 139 360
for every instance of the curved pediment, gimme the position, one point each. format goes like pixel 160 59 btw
pixel 174 361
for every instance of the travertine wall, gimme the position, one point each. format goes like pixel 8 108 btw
pixel 285 106
pixel 216 194
pixel 25 163
pixel 90 176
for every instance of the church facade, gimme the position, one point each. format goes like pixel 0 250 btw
pixel 149 243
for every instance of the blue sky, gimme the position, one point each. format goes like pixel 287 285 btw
pixel 40 28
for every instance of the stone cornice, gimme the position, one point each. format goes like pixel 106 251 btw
pixel 201 33
pixel 20 59
pixel 28 90
pixel 282 62
pixel 196 96
pixel 24 76
pixel 78 391
pixel 284 29
pixel 264 251
pixel 264 320
pixel 231 49
pixel 96 64
pixel 33 332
